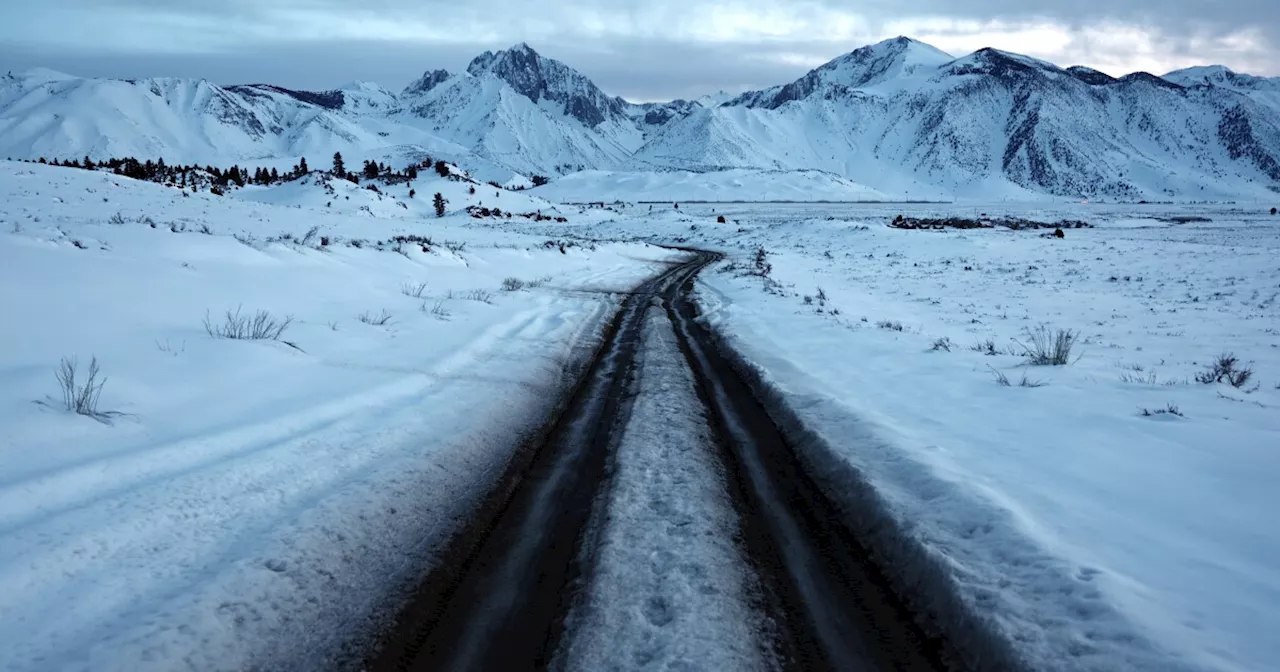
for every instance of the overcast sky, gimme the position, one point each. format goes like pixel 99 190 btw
pixel 641 49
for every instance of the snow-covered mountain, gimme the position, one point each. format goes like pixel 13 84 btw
pixel 904 117
pixel 1265 90
pixel 527 112
pixel 900 117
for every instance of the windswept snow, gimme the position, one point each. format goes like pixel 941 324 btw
pixel 256 504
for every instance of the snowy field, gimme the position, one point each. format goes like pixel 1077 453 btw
pixel 241 502
pixel 1098 529
pixel 244 502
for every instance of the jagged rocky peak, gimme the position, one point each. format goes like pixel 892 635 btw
pixel 537 78
pixel 429 80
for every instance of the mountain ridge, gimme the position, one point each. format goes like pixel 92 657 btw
pixel 899 115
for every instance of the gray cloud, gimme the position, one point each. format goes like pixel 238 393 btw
pixel 646 50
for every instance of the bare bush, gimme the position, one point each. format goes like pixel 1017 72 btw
pixel 481 295
pixel 1047 346
pixel 1135 377
pixel 82 398
pixel 379 320
pixel 987 347
pixel 117 219
pixel 943 343
pixel 1225 369
pixel 437 310
pixel 512 285
pixel 168 348
pixel 1171 409
pixel 261 326
pixel 891 325
pixel 762 266
pixel 414 290
pixel 1003 380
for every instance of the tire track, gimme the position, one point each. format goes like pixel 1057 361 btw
pixel 515 585
pixel 543 583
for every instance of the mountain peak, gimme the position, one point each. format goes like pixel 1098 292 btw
pixel 538 78
pixel 1223 77
pixel 517 57
pixel 891 59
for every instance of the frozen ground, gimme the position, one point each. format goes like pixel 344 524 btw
pixel 669 588
pixel 1095 536
pixel 726 185
pixel 257 501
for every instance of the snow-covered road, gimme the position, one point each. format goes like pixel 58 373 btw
pixel 671 587
pixel 665 522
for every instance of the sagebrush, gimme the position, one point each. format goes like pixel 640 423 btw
pixel 1047 346
pixel 261 326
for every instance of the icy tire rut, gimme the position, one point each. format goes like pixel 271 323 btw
pixel 662 524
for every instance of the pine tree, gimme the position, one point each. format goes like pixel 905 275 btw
pixel 442 169
pixel 412 172
pixel 275 175
pixel 339 168
pixel 370 170
pixel 439 204
pixel 302 166
pixel 88 163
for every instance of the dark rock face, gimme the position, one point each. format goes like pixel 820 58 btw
pixel 1148 78
pixel 1237 133
pixel 1090 76
pixel 658 114
pixel 330 100
pixel 429 80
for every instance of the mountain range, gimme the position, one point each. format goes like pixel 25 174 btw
pixel 899 116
